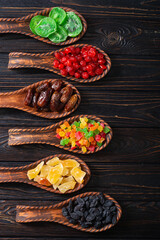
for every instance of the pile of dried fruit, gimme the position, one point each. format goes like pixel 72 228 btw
pixel 85 62
pixel 57 26
pixel 52 97
pixel 93 211
pixel 61 174
pixel 85 134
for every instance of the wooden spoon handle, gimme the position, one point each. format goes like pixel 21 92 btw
pixel 30 136
pixel 12 175
pixel 38 214
pixel 12 25
pixel 10 100
pixel 25 60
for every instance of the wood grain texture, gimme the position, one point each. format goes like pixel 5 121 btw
pixel 128 98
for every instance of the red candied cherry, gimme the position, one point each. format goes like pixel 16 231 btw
pixel 91 148
pixel 85 75
pixel 85 54
pixel 97 137
pixel 83 63
pixel 84 69
pixel 76 65
pixel 67 50
pixel 77 50
pixel 101 61
pixel 79 58
pixel 64 59
pixel 57 55
pixel 91 73
pixel 99 71
pixel 62 53
pixel 63 72
pixel 77 75
pixel 103 67
pixel 95 59
pixel 84 49
pixel 56 63
pixel 100 56
pixel 73 59
pixel 92 52
pixel 88 59
pixel 89 68
pixel 71 73
pixel 72 49
pixel 69 62
pixel 93 65
pixel 61 66
pixel 69 69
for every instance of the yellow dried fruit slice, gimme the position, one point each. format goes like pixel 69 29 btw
pixel 53 162
pixel 67 179
pixel 35 171
pixel 55 186
pixel 78 174
pixel 55 173
pixel 44 171
pixel 65 171
pixel 66 186
pixel 70 163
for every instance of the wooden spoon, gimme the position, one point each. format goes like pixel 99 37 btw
pixel 21 25
pixel 15 99
pixel 19 174
pixel 47 135
pixel 45 61
pixel 53 213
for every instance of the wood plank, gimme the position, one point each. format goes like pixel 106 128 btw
pixel 129 145
pixel 139 216
pixel 124 181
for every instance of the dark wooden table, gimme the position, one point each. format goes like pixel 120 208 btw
pixel 128 98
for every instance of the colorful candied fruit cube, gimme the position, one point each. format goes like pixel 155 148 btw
pixel 84 149
pixel 78 135
pixel 100 128
pixel 61 133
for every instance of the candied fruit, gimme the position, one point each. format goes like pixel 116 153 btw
pixel 78 174
pixel 35 171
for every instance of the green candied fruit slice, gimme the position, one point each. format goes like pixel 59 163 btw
pixel 58 14
pixel 73 24
pixel 89 134
pixel 34 22
pixel 85 130
pixel 96 131
pixel 59 36
pixel 106 129
pixel 91 121
pixel 64 142
pixel 46 27
pixel 77 124
pixel 99 144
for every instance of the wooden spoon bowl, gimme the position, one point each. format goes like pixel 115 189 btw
pixel 53 213
pixel 19 174
pixel 47 135
pixel 15 100
pixel 45 61
pixel 21 25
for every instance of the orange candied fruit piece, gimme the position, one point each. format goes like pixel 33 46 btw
pixel 66 124
pixel 58 130
pixel 91 139
pixel 96 125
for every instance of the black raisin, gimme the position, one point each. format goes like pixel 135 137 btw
pixel 112 209
pixel 94 203
pixel 108 219
pixel 98 225
pixel 108 203
pixel 90 217
pixel 73 221
pixel 64 211
pixel 74 216
pixel 80 201
pixel 114 219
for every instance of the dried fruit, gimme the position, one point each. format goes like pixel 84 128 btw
pixel 35 171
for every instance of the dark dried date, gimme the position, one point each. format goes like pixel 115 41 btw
pixel 66 94
pixel 43 87
pixel 71 103
pixel 44 98
pixel 29 97
pixel 35 99
pixel 57 85
pixel 55 101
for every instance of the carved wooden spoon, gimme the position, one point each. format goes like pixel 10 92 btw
pixel 15 99
pixel 47 135
pixel 45 61
pixel 19 174
pixel 53 213
pixel 21 25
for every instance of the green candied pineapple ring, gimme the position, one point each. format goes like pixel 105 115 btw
pixel 46 27
pixel 73 24
pixel 58 14
pixel 34 21
pixel 59 36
